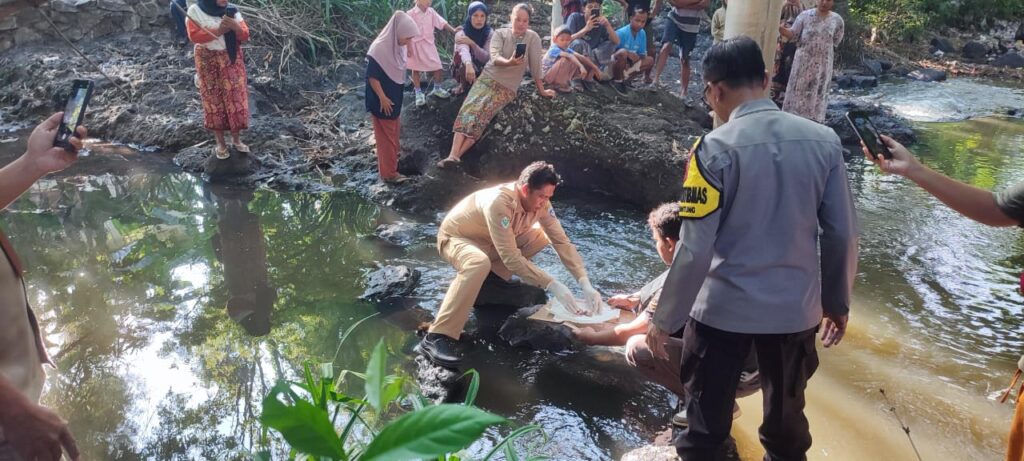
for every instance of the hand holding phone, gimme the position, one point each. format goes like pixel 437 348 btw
pixel 520 50
pixel 868 135
pixel 74 113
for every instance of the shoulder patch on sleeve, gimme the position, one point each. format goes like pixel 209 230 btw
pixel 700 197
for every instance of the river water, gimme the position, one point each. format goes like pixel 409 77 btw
pixel 171 305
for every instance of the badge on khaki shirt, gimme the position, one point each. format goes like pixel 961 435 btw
pixel 700 197
pixel 505 222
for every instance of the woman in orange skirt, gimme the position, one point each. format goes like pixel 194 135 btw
pixel 218 30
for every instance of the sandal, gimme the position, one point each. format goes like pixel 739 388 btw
pixel 221 154
pixel 242 148
pixel 448 163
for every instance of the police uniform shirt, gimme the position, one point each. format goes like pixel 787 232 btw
pixel 756 194
pixel 493 219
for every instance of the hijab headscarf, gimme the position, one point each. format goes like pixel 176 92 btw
pixel 211 8
pixel 385 48
pixel 479 36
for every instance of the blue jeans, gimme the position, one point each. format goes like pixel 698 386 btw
pixel 178 17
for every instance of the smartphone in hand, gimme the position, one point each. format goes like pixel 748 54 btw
pixel 868 134
pixel 74 113
pixel 520 50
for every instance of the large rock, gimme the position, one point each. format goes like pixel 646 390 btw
pixel 390 282
pixel 874 66
pixel 856 81
pixel 600 142
pixel 399 234
pixel 652 453
pixel 928 75
pixel 943 44
pixel 436 383
pixel 520 331
pixel 885 120
pixel 1012 60
pixel 497 292
pixel 975 50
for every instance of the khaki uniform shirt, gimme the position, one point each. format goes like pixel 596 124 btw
pixel 21 347
pixel 493 219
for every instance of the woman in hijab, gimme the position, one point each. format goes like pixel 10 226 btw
pixel 385 74
pixel 472 47
pixel 217 29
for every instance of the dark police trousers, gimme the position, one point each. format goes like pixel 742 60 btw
pixel 712 360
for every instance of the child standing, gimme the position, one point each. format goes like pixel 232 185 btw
pixel 385 72
pixel 423 55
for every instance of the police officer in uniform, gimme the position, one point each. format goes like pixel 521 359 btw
pixel 763 194
pixel 498 230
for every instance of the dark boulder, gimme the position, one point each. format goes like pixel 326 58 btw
pixel 520 331
pixel 886 65
pixel 975 50
pixel 885 120
pixel 943 44
pixel 436 383
pixel 1012 60
pixel 390 282
pixel 928 75
pixel 856 81
pixel 875 67
pixel 1020 32
pixel 398 234
pixel 498 292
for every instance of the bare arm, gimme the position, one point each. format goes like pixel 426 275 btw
pixel 974 203
pixel 40 159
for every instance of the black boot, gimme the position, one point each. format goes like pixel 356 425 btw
pixel 441 350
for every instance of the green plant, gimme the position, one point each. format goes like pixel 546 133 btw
pixel 316 419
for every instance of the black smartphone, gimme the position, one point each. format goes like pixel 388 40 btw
pixel 868 134
pixel 595 12
pixel 520 50
pixel 230 12
pixel 74 112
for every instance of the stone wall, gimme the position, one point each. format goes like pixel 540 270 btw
pixel 21 24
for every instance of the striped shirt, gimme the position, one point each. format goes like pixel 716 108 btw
pixel 687 20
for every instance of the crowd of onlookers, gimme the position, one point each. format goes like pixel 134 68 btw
pixel 585 48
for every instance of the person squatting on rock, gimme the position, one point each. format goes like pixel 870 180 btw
pixel 681 30
pixel 422 51
pixel 385 74
pixel 628 8
pixel 817 33
pixel 218 30
pixel 562 66
pixel 497 230
pixel 28 431
pixel 472 47
pixel 498 83
pixel 664 222
pixel 784 176
pixel 1000 209
pixel 593 35
pixel 630 58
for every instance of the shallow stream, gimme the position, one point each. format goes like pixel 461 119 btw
pixel 154 289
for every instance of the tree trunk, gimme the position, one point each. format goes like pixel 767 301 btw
pixel 759 20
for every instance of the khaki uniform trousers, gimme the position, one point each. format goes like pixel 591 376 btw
pixel 472 264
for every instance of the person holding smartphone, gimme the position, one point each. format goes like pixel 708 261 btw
pixel 997 209
pixel 593 35
pixel 513 49
pixel 28 430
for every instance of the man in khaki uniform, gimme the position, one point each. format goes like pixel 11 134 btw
pixel 28 431
pixel 498 230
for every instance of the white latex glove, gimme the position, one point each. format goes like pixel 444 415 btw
pixel 564 296
pixel 591 295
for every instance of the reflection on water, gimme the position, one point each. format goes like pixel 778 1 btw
pixel 171 306
pixel 952 100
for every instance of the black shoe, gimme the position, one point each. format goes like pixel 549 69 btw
pixel 441 350
pixel 620 88
pixel 588 85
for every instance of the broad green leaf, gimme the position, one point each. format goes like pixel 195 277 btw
pixel 392 389
pixel 506 443
pixel 430 432
pixel 304 426
pixel 375 371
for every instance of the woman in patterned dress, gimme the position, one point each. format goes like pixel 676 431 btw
pixel 218 31
pixel 817 31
